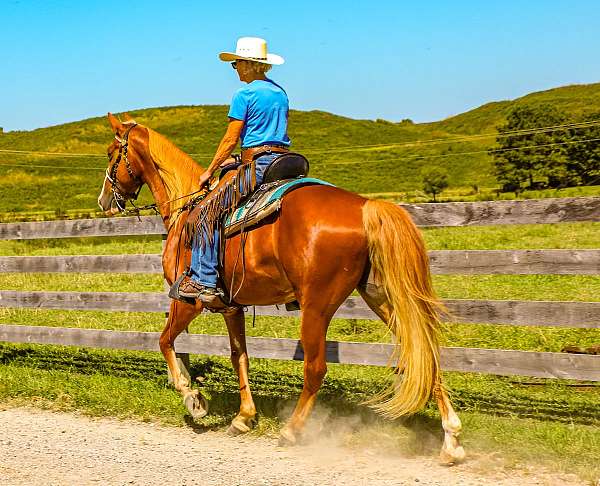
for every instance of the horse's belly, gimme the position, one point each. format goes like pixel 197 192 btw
pixel 253 274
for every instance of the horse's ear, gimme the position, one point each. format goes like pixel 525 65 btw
pixel 128 118
pixel 115 124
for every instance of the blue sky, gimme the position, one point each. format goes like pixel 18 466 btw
pixel 68 60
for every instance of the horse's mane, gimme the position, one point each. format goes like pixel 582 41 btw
pixel 177 169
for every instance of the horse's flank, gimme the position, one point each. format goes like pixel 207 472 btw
pixel 178 171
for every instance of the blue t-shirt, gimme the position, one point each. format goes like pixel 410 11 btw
pixel 263 107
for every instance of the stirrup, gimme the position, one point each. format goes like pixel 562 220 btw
pixel 174 290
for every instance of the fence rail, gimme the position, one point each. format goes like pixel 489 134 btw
pixel 464 262
pixel 532 211
pixel 496 361
pixel 514 312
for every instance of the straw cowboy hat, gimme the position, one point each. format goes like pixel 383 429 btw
pixel 251 49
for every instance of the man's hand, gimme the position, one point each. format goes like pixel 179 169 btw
pixel 226 162
pixel 203 179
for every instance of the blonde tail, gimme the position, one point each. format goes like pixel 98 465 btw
pixel 400 265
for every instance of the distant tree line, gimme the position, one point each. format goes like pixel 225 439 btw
pixel 548 158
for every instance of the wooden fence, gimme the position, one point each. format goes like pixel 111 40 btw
pixel 465 262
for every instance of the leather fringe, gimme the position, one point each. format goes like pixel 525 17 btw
pixel 216 205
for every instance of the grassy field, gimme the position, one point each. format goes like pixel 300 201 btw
pixel 552 422
pixel 365 156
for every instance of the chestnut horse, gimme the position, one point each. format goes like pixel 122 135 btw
pixel 324 243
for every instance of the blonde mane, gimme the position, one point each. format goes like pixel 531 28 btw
pixel 178 171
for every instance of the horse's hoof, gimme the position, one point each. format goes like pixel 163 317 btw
pixel 237 428
pixel 450 457
pixel 196 404
pixel 287 438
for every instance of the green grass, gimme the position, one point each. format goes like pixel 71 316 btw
pixel 82 246
pixel 512 237
pixel 500 287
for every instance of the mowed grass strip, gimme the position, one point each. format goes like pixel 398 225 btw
pixel 512 237
pixel 502 420
pixel 105 245
pixel 581 288
pixel 345 383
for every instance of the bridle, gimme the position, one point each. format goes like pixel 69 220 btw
pixel 121 197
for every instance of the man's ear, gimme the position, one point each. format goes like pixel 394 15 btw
pixel 115 124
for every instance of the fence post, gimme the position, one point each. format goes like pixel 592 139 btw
pixel 183 359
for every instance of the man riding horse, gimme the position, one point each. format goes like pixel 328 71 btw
pixel 258 117
pixel 322 244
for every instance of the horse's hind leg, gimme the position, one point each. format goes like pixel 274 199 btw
pixel 452 452
pixel 375 298
pixel 313 331
pixel 239 359
pixel 180 315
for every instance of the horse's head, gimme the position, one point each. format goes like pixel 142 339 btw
pixel 123 180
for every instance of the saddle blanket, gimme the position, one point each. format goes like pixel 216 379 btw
pixel 265 201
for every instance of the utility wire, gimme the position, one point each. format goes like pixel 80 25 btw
pixel 489 151
pixel 382 146
pixel 466 138
pixel 57 154
pixel 410 156
pixel 53 167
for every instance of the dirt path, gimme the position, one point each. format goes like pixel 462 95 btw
pixel 46 448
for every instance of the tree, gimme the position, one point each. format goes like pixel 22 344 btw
pixel 583 159
pixel 435 180
pixel 532 156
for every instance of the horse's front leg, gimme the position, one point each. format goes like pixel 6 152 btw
pixel 180 315
pixel 236 325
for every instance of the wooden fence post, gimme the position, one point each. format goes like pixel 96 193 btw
pixel 183 359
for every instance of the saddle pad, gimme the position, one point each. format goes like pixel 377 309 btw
pixel 265 201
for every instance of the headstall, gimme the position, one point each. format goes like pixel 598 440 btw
pixel 121 197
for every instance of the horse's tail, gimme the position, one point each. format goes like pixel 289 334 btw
pixel 400 265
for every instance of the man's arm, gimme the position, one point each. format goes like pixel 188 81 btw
pixel 228 143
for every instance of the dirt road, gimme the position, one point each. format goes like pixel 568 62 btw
pixel 46 448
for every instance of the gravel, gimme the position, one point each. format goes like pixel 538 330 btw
pixel 46 448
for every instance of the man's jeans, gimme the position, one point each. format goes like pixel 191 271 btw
pixel 203 268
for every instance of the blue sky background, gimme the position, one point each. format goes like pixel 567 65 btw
pixel 68 60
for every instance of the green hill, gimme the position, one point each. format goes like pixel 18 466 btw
pixel 347 152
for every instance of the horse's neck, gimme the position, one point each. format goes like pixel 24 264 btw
pixel 161 196
pixel 172 186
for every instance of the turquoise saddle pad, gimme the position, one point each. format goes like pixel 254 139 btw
pixel 264 202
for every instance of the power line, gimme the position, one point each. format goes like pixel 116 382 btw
pixel 57 154
pixel 381 146
pixel 53 166
pixel 465 138
pixel 418 156
pixel 411 156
